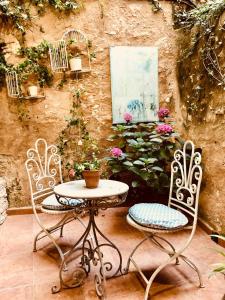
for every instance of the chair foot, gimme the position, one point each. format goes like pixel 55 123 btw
pixel 34 250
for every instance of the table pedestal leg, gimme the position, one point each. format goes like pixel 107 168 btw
pixel 91 248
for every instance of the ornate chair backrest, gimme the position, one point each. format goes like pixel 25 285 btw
pixel 43 167
pixel 186 177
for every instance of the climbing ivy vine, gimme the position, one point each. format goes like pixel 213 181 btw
pixel 75 143
pixel 16 14
pixel 200 67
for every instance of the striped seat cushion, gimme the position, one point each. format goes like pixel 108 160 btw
pixel 51 203
pixel 157 216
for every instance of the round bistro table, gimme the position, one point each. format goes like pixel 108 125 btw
pixel 108 194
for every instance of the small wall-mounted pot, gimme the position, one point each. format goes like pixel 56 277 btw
pixel 75 64
pixel 33 90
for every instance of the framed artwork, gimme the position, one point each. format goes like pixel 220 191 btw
pixel 134 83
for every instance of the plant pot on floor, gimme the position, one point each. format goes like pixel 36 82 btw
pixel 91 178
pixel 75 64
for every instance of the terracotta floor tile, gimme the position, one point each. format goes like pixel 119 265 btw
pixel 18 293
pixel 29 276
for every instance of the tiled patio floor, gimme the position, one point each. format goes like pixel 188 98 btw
pixel 25 275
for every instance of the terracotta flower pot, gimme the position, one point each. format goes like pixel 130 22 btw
pixel 91 178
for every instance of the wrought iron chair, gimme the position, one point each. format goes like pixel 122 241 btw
pixel 43 167
pixel 181 213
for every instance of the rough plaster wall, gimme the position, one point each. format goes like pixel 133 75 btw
pixel 124 23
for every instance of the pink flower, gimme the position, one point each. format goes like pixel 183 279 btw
pixel 127 117
pixel 164 128
pixel 71 173
pixel 163 112
pixel 116 152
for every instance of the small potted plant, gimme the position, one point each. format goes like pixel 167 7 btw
pixel 33 90
pixel 89 170
pixel 75 61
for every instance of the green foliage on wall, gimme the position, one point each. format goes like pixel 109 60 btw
pixel 200 66
pixel 16 14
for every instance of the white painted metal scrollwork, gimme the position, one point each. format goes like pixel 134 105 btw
pixel 43 166
pixel 12 83
pixel 186 176
pixel 58 56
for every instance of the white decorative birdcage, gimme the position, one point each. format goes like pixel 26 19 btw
pixel 73 34
pixel 12 83
pixel 77 37
pixel 58 56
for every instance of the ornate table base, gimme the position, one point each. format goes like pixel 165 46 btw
pixel 91 252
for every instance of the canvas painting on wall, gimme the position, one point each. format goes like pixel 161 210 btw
pixel 134 83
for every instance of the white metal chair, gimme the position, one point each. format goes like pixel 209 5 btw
pixel 181 213
pixel 43 167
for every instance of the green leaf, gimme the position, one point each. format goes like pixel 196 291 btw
pixel 128 163
pixel 138 162
pixel 152 160
pixel 135 184
pixel 156 140
pixel 142 150
pixel 156 168
pixel 132 142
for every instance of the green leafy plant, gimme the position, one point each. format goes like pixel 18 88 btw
pixel 219 267
pixel 14 14
pixel 92 164
pixel 75 144
pixel 201 42
pixel 145 151
pixel 60 5
pixel 35 63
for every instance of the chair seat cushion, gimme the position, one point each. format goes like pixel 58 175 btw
pixel 157 216
pixel 51 203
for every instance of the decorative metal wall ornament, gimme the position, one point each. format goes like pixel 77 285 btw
pixel 59 51
pixel 77 37
pixel 12 83
pixel 58 56
pixel 3 200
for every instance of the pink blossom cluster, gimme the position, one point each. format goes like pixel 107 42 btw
pixel 163 112
pixel 72 173
pixel 164 128
pixel 116 152
pixel 127 117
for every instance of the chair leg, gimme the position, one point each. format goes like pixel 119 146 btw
pixel 194 267
pixel 156 272
pixel 126 270
pixel 36 239
pixel 158 244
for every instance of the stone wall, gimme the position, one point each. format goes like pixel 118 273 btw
pixel 136 25
pixel 125 22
